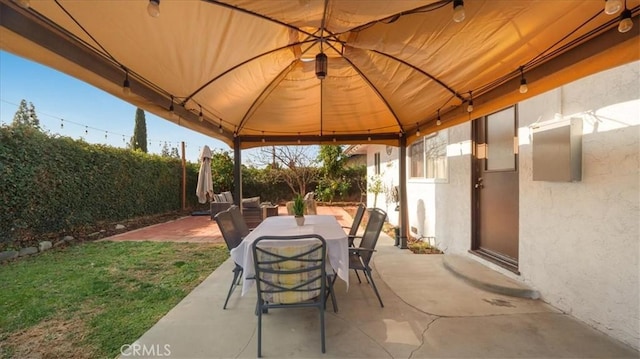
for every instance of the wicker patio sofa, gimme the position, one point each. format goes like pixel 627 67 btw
pixel 253 211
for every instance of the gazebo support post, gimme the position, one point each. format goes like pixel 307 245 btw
pixel 237 173
pixel 402 189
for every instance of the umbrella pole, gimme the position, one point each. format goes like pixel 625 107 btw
pixel 184 178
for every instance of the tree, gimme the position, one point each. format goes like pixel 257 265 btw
pixel 292 164
pixel 26 115
pixel 333 181
pixel 139 138
pixel 169 152
pixel 221 170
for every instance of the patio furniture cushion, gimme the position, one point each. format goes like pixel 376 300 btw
pixel 228 197
pixel 251 202
pixel 287 274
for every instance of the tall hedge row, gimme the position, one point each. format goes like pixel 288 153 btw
pixel 52 184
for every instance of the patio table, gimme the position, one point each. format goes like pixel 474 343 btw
pixel 324 225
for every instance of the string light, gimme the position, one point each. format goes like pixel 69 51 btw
pixel 417 130
pixel 86 130
pixel 153 8
pixel 105 134
pixel 470 105
pixel 612 6
pixel 263 140
pixel 126 86
pixel 458 11
pixel 523 82
pixel 200 115
pixel 625 20
pixel 220 127
pixel 438 122
pixel 369 137
pixel 62 123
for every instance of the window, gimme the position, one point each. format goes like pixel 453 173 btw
pixel 417 159
pixel 429 157
pixel 376 162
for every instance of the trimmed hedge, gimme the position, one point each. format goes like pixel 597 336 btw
pixel 54 184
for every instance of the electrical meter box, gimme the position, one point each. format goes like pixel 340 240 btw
pixel 557 151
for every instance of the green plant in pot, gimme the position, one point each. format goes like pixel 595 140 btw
pixel 298 209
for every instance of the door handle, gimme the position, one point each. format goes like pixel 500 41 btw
pixel 479 184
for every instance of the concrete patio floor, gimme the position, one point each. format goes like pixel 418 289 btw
pixel 428 313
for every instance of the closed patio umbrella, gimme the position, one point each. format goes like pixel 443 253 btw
pixel 205 183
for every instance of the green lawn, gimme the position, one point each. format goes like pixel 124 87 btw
pixel 88 300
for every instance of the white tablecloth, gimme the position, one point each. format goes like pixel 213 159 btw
pixel 326 226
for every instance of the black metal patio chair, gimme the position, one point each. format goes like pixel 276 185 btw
pixel 357 219
pixel 290 273
pixel 360 257
pixel 233 236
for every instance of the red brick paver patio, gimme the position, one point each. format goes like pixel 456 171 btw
pixel 201 229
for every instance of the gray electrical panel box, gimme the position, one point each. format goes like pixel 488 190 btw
pixel 557 151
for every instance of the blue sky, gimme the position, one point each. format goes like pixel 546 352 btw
pixel 57 96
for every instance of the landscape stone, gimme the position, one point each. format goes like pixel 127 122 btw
pixel 6 255
pixel 27 251
pixel 44 245
pixel 120 226
pixel 68 238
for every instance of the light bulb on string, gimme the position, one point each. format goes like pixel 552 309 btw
pixel 220 127
pixel 611 7
pixel 86 130
pixel 369 137
pixel 105 134
pixel 438 122
pixel 61 123
pixel 126 86
pixel 470 105
pixel 417 130
pixel 200 115
pixel 458 11
pixel 263 140
pixel 153 9
pixel 626 24
pixel 523 82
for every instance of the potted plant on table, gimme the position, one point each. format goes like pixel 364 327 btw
pixel 298 210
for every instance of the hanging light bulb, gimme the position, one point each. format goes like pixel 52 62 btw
pixel 369 137
pixel 23 3
pixel 263 140
pixel 470 105
pixel 625 21
pixel 418 130
pixel 86 130
pixel 334 139
pixel 458 10
pixel 438 122
pixel 220 127
pixel 62 123
pixel 299 142
pixel 200 115
pixel 321 66
pixel 126 86
pixel 154 8
pixel 612 6
pixel 523 82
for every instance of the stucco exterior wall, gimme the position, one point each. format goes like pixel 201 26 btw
pixel 579 242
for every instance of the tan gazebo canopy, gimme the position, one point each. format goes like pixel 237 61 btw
pixel 246 69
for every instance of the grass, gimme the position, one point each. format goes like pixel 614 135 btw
pixel 87 300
